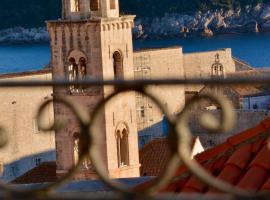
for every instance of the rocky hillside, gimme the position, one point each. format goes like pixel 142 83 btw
pixel 23 20
pixel 250 18
pixel 32 13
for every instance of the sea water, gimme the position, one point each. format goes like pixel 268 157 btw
pixel 252 48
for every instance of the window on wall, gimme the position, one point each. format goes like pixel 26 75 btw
pixel 122 148
pixel 38 161
pixel 35 126
pixel 112 4
pixel 74 6
pixel 76 72
pixel 142 111
pixel 118 66
pixel 94 5
pixel 76 147
pixel 76 152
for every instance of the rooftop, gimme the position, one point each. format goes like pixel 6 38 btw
pixel 26 73
pixel 243 161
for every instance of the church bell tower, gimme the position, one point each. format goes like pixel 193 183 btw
pixel 93 41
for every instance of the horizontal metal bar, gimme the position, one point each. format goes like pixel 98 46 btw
pixel 99 82
pixel 116 196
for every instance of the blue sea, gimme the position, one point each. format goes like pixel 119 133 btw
pixel 252 48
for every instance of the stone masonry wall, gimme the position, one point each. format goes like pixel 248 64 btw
pixel 162 64
pixel 244 121
pixel 198 65
pixel 26 143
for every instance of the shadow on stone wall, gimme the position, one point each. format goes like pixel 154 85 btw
pixel 19 167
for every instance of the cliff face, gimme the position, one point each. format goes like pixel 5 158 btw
pixel 185 18
pixel 220 21
pixel 33 13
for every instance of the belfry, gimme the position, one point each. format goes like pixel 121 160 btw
pixel 93 41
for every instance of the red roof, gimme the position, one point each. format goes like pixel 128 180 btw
pixel 154 156
pixel 243 160
pixel 151 164
pixel 44 173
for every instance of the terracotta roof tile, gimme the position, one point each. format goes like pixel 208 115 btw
pixel 262 159
pixel 151 164
pixel 256 146
pixel 266 186
pixel 253 179
pixel 248 90
pixel 243 160
pixel 26 73
pixel 44 173
pixel 194 185
pixel 230 174
pixel 219 164
pixel 266 123
pixel 213 152
pixel 241 157
pixel 246 135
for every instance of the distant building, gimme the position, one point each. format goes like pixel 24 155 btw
pixel 156 131
pixel 27 146
pixel 242 161
pixel 257 102
pixel 93 41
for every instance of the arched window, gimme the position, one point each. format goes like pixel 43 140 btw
pixel 122 148
pixel 94 5
pixel 74 6
pixel 76 152
pixel 73 73
pixel 77 70
pixel 82 68
pixel 118 65
pixel 76 147
pixel 217 68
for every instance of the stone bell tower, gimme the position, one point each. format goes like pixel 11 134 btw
pixel 93 41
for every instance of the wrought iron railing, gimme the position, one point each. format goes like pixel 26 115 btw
pixel 180 138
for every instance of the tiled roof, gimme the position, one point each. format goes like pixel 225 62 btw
pixel 243 160
pixel 44 173
pixel 151 164
pixel 27 73
pixel 245 73
pixel 246 90
pixel 154 156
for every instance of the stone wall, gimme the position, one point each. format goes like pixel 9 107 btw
pixel 98 41
pixel 161 64
pixel 26 143
pixel 244 121
pixel 198 65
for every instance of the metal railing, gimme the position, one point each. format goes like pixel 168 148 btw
pixel 180 138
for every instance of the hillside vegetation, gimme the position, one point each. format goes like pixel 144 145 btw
pixel 33 13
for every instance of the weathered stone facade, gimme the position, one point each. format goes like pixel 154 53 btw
pixel 198 65
pixel 100 47
pixel 159 64
pixel 93 41
pixel 27 145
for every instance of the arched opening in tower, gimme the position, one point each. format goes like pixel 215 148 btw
pixel 74 6
pixel 94 5
pixel 82 68
pixel 76 147
pixel 77 71
pixel 122 148
pixel 77 151
pixel 118 65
